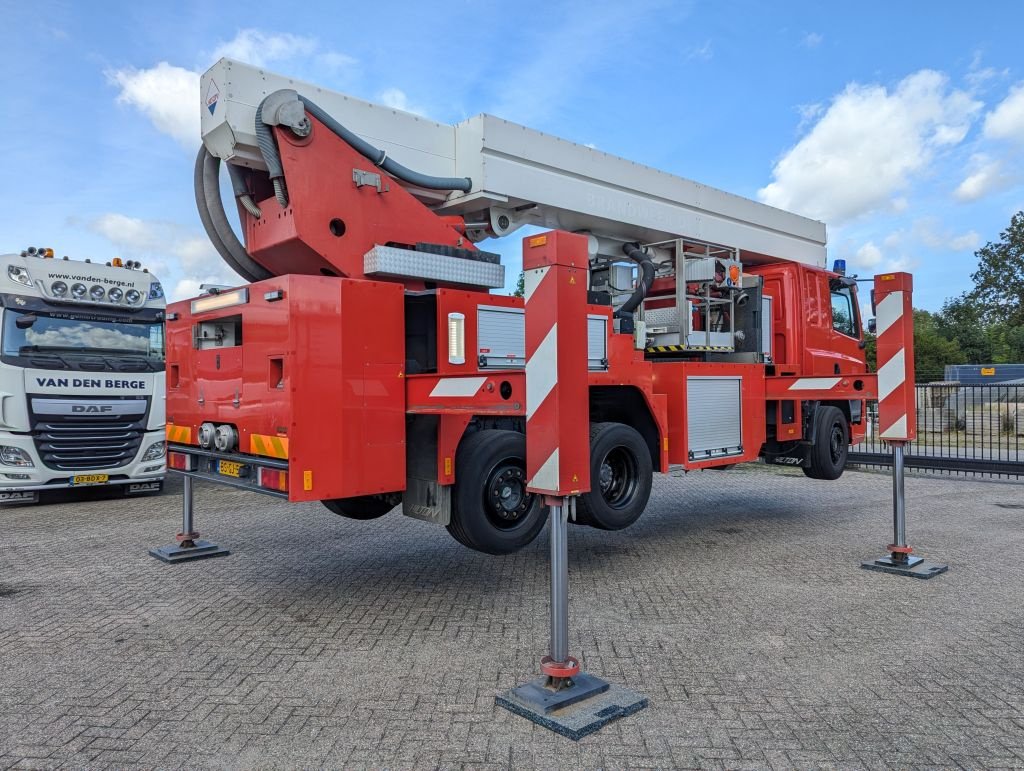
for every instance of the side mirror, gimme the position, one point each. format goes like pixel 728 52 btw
pixel 872 326
pixel 25 321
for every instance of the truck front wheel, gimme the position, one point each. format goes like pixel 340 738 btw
pixel 621 475
pixel 360 507
pixel 831 444
pixel 491 510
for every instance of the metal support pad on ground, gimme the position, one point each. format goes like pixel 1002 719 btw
pixel 189 546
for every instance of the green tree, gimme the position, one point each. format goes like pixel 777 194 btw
pixel 520 285
pixel 932 350
pixel 961 320
pixel 871 351
pixel 999 280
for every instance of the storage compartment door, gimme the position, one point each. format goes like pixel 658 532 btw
pixel 714 417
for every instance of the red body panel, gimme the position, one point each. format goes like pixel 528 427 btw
pixel 895 314
pixel 557 413
pixel 671 381
pixel 340 346
pixel 335 221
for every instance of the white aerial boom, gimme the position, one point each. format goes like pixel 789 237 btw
pixel 519 176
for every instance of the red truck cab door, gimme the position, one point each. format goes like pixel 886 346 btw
pixel 834 336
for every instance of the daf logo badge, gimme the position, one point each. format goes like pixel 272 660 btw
pixel 92 408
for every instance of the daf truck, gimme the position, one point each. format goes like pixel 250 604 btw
pixel 81 376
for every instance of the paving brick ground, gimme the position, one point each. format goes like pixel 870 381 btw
pixel 736 604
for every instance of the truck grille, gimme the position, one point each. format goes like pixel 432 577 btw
pixel 88 442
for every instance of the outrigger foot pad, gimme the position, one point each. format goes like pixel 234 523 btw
pixel 915 567
pixel 573 711
pixel 179 552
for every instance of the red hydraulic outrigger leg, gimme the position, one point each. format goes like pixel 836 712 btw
pixel 564 699
pixel 897 423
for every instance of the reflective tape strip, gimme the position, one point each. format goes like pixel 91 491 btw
pixel 897 430
pixel 888 312
pixel 178 434
pixel 457 386
pixel 547 476
pixel 891 375
pixel 815 383
pixel 268 446
pixel 542 373
pixel 532 279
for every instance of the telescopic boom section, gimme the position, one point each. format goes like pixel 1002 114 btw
pixel 323 179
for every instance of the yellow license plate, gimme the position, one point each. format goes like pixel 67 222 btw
pixel 90 479
pixel 229 468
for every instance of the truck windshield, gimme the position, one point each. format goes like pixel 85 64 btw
pixel 70 338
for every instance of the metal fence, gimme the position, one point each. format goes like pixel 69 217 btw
pixel 961 430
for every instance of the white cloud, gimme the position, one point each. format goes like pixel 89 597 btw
pixel 967 242
pixel 813 39
pixel 1006 121
pixel 931 233
pixel 985 176
pixel 893 240
pixel 702 52
pixel 868 256
pixel 259 48
pixel 397 99
pixel 167 95
pixel 869 145
pixel 168 249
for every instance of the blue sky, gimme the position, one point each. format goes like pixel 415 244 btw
pixel 901 125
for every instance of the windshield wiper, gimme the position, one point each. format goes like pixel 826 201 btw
pixel 28 350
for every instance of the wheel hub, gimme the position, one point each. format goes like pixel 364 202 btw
pixel 507 494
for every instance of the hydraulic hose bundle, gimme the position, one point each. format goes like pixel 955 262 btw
pixel 207 180
pixel 642 258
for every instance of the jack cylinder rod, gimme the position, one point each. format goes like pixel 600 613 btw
pixel 186 508
pixel 899 512
pixel 560 582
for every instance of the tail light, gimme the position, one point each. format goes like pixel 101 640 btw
pixel 273 479
pixel 179 460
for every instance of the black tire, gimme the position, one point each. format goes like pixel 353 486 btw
pixel 360 507
pixel 491 510
pixel 831 444
pixel 621 475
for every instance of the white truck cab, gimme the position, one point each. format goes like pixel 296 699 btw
pixel 81 375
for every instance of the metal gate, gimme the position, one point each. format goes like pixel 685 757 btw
pixel 961 430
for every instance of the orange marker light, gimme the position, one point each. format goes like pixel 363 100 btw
pixel 538 240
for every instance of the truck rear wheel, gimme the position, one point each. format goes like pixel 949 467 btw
pixel 621 475
pixel 831 444
pixel 360 507
pixel 491 510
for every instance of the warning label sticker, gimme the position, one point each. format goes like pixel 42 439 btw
pixel 212 95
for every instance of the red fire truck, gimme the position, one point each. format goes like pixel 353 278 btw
pixel 367 365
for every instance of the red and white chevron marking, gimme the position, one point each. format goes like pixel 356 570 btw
pixel 894 319
pixel 557 428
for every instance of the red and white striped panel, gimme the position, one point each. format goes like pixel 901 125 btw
pixel 557 411
pixel 894 319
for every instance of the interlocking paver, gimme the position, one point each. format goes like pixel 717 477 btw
pixel 736 604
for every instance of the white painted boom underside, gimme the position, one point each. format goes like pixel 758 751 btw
pixel 536 178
